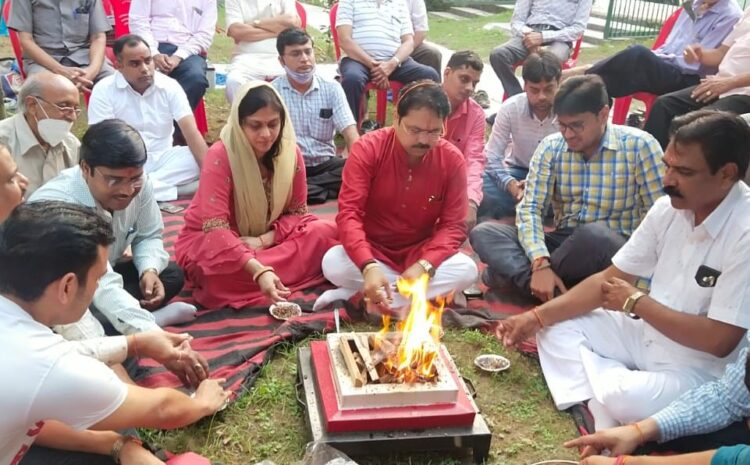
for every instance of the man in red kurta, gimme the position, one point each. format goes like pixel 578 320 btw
pixel 402 206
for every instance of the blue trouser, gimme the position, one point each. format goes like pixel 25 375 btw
pixel 734 455
pixel 190 73
pixel 355 76
pixel 497 202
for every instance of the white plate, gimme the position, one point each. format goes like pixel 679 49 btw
pixel 556 462
pixel 492 363
pixel 296 311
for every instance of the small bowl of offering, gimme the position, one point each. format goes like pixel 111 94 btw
pixel 556 462
pixel 492 363
pixel 284 310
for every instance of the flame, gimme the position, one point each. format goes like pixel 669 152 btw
pixel 414 358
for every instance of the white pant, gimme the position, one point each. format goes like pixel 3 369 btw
pixel 603 356
pixel 251 67
pixel 454 275
pixel 169 169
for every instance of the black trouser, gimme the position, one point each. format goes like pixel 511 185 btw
pixel 190 73
pixel 40 455
pixel 638 69
pixel 669 106
pixel 324 180
pixel 172 277
pixel 575 253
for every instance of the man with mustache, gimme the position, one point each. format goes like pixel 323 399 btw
pixel 465 125
pixel 318 109
pixel 694 245
pixel 402 207
pixel 151 103
pixel 111 179
pixel 600 178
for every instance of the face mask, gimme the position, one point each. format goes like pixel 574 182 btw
pixel 301 78
pixel 53 131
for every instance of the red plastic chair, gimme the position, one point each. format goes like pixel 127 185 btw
pixel 121 11
pixel 14 41
pixel 571 62
pixel 622 104
pixel 382 95
pixel 302 14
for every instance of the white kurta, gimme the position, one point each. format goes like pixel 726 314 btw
pixel 626 366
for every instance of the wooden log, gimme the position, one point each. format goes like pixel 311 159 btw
pixel 364 350
pixel 351 363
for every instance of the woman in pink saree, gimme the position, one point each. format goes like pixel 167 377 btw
pixel 248 238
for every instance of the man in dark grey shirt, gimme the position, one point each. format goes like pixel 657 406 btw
pixel 67 37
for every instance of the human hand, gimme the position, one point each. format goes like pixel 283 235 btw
pixel 516 189
pixel 70 72
pixel 133 453
pixel 377 289
pixel 619 441
pixel 161 63
pixel 711 88
pixel 152 289
pixel 533 40
pixel 378 76
pixel 693 54
pixel 615 292
pixel 211 394
pixel 544 282
pixel 516 329
pixel 598 460
pixel 253 242
pixel 471 217
pixel 413 272
pixel 173 62
pixel 174 352
pixel 272 287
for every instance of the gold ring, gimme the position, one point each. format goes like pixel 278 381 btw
pixel 708 92
pixel 197 366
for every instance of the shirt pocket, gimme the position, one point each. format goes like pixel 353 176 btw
pixel 322 128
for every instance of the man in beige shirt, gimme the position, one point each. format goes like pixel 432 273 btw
pixel 39 136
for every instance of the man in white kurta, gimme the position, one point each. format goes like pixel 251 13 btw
pixel 694 244
pixel 151 103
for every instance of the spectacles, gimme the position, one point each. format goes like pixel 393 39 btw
pixel 297 54
pixel 432 134
pixel 113 181
pixel 576 126
pixel 61 108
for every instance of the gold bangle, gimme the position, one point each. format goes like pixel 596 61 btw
pixel 119 444
pixel 538 318
pixel 262 270
pixel 640 433
pixel 369 267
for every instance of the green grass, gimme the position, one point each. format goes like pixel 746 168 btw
pixel 469 33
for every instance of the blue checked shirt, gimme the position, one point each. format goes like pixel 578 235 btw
pixel 709 407
pixel 617 186
pixel 316 116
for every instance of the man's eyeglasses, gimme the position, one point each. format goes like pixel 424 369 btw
pixel 61 108
pixel 297 54
pixel 433 134
pixel 576 126
pixel 113 181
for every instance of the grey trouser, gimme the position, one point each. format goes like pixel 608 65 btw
pixel 429 55
pixel 511 52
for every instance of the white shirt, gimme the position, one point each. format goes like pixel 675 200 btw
pixel 247 11
pixel 376 27
pixel 47 379
pixel 152 114
pixel 418 13
pixel 668 248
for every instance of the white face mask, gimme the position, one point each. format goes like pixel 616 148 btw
pixel 301 78
pixel 53 131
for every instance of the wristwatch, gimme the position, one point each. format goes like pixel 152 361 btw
pixel 428 268
pixel 627 307
pixel 256 23
pixel 398 61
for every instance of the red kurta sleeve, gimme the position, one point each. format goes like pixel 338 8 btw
pixel 450 231
pixel 296 211
pixel 355 187
pixel 216 247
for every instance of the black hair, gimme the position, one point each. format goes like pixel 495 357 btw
pixel 466 58
pixel 581 94
pixel 541 67
pixel 292 36
pixel 723 137
pixel 254 100
pixel 128 40
pixel 423 94
pixel 114 144
pixel 41 242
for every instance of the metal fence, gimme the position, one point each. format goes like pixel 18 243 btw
pixel 637 18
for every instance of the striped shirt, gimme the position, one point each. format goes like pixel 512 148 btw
pixel 709 407
pixel 377 27
pixel 570 17
pixel 616 186
pixel 139 225
pixel 316 115
pixel 516 134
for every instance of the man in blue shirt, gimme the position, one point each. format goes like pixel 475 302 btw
pixel 664 70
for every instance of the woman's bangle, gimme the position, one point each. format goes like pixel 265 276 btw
pixel 119 444
pixel 369 267
pixel 640 433
pixel 260 271
pixel 538 318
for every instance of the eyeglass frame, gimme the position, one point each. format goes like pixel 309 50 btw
pixel 136 183
pixel 576 126
pixel 62 109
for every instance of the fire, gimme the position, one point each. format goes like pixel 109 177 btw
pixel 420 335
